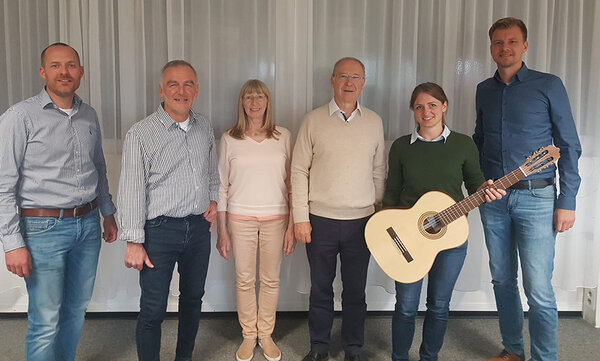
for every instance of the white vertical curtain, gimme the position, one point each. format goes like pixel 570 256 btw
pixel 291 45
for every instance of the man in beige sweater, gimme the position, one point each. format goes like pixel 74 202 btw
pixel 338 174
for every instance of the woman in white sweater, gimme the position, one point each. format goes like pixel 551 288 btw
pixel 254 214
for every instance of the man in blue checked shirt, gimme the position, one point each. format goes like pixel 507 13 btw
pixel 520 110
pixel 167 200
pixel 52 170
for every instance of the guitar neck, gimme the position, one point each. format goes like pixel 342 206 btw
pixel 476 199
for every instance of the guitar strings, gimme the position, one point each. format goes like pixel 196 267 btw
pixel 459 209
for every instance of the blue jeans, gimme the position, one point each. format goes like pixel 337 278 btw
pixel 331 237
pixel 521 225
pixel 185 241
pixel 64 252
pixel 441 280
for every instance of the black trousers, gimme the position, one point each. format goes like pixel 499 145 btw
pixel 331 237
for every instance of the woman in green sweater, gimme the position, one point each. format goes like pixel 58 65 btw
pixel 431 158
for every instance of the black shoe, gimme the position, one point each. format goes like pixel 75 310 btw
pixel 353 358
pixel 316 357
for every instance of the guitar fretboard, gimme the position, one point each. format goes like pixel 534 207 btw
pixel 476 199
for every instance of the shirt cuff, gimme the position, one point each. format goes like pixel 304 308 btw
pixel 107 209
pixel 132 235
pixel 12 242
pixel 106 205
pixel 565 202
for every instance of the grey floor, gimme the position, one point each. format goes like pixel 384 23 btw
pixel 468 338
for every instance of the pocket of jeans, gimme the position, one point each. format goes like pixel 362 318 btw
pixel 548 192
pixel 155 222
pixel 38 225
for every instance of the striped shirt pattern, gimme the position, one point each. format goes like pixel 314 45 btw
pixel 165 171
pixel 49 159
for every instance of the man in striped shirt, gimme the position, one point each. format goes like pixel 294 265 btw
pixel 167 203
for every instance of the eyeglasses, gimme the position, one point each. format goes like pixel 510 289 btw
pixel 347 77
pixel 250 98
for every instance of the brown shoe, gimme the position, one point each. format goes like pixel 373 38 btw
pixel 270 349
pixel 246 350
pixel 505 356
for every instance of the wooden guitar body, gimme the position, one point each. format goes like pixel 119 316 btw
pixel 405 242
pixel 421 245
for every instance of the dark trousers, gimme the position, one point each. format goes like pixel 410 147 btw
pixel 185 241
pixel 331 237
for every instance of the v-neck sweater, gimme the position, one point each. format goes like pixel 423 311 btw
pixel 254 175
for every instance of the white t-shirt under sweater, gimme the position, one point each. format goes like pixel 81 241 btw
pixel 254 176
pixel 338 168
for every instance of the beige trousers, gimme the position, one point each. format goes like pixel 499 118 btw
pixel 249 238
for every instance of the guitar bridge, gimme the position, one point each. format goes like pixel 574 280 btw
pixel 399 244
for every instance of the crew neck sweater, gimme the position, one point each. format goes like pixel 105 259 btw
pixel 338 167
pixel 417 168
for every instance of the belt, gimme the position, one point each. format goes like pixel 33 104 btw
pixel 76 212
pixel 533 183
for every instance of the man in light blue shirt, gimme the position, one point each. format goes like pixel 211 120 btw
pixel 52 171
pixel 520 110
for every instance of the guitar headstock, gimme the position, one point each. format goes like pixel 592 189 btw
pixel 540 160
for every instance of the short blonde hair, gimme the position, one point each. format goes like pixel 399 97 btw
pixel 506 23
pixel 258 87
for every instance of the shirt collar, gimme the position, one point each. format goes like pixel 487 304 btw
pixel 166 119
pixel 46 101
pixel 519 76
pixel 333 108
pixel 415 135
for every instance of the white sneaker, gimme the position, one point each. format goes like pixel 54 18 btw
pixel 270 349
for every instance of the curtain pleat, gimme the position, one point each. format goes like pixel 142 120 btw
pixel 292 45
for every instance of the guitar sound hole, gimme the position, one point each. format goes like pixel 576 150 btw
pixel 431 226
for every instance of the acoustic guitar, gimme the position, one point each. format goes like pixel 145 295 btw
pixel 405 241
